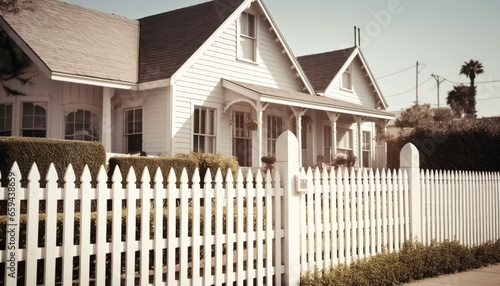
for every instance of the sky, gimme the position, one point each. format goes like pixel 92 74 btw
pixel 395 35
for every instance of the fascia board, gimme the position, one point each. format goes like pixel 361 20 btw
pixel 92 81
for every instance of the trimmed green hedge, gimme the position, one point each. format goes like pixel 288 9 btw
pixel 191 161
pixel 42 151
pixel 139 163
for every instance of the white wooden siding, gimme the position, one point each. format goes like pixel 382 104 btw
pixel 201 84
pixel 362 91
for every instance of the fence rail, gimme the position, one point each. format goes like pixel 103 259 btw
pixel 261 230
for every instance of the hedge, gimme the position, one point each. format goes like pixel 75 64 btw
pixel 191 161
pixel 42 151
pixel 457 145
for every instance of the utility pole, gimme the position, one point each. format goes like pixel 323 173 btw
pixel 438 80
pixel 416 73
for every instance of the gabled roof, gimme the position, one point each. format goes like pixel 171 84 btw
pixel 322 68
pixel 169 39
pixel 74 41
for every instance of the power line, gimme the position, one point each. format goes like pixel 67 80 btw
pixel 394 73
pixel 489 81
pixel 392 95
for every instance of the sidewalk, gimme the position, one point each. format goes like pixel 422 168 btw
pixel 487 276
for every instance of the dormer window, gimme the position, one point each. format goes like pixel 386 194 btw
pixel 248 38
pixel 347 79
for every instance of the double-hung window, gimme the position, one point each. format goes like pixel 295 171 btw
pixel 133 130
pixel 366 148
pixel 242 138
pixel 34 119
pixel 248 37
pixel 344 140
pixel 274 129
pixel 204 130
pixel 6 119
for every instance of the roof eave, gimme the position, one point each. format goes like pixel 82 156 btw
pixel 92 81
pixel 25 47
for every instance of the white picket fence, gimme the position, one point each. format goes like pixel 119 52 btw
pixel 246 230
pixel 347 216
pixel 222 233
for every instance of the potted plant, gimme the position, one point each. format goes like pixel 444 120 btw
pixel 251 124
pixel 340 161
pixel 269 161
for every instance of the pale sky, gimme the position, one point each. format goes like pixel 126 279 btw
pixel 440 35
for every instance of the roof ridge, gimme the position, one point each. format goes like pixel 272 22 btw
pixel 328 52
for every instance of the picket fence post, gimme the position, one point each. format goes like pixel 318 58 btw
pixel 409 161
pixel 287 164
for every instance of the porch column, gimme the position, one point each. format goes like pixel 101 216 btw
pixel 359 120
pixel 333 116
pixel 260 114
pixel 107 94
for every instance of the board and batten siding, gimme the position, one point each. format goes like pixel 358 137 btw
pixel 362 92
pixel 154 104
pixel 201 83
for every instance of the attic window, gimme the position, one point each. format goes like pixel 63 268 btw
pixel 347 79
pixel 248 38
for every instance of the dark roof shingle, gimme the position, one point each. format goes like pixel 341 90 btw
pixel 169 39
pixel 320 69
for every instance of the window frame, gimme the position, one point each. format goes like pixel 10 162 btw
pixel 348 72
pixel 35 130
pixel 340 139
pixel 94 125
pixel 240 50
pixel 4 120
pixel 366 148
pixel 210 133
pixel 129 135
pixel 272 135
pixel 240 132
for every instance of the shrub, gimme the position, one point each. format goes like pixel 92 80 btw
pixel 191 161
pixel 26 151
pixel 139 163
pixel 413 262
pixel 462 144
pixel 206 161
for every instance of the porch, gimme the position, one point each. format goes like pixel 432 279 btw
pixel 325 127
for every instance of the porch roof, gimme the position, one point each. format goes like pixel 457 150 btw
pixel 304 100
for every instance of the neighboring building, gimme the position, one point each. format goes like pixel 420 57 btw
pixel 188 80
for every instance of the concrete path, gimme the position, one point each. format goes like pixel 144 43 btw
pixel 487 276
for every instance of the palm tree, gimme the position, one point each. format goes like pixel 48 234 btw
pixel 471 69
pixel 457 99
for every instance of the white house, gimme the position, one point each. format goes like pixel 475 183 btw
pixel 188 80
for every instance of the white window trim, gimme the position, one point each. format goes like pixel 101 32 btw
pixel 125 134
pixel 217 122
pixel 349 71
pixel 239 51
pixel 40 102
pixel 74 107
